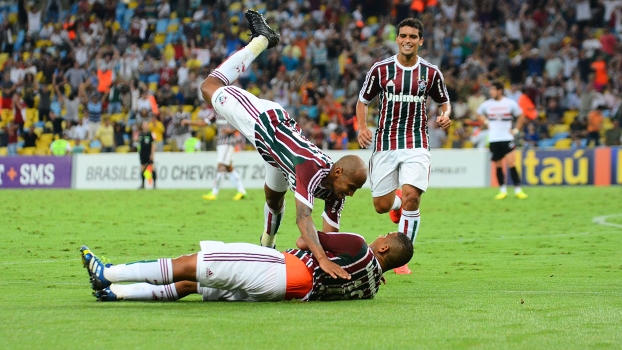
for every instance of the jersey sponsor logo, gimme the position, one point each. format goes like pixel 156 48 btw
pixel 404 98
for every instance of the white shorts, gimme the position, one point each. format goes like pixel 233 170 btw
pixel 240 272
pixel 225 154
pixel 391 169
pixel 275 179
pixel 241 108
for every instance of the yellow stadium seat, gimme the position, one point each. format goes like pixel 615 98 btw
pixel 26 151
pixel 123 149
pixel 159 39
pixel 3 58
pixel 4 151
pixel 563 144
pixel 209 133
pixel 569 116
pixel 559 128
pixel 188 108
pixel 167 148
pixel 12 17
pixel 38 131
pixel 132 5
pixel 32 115
pixel 94 150
pixel 607 124
pixel 42 151
pixel 117 117
pixel 7 114
pixel 175 89
pixel 45 139
pixel 146 46
pixel 173 27
pixel 153 86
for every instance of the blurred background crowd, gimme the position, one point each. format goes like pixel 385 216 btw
pixel 89 72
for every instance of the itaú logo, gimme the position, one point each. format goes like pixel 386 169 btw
pixel 404 98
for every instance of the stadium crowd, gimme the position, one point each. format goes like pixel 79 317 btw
pixel 90 71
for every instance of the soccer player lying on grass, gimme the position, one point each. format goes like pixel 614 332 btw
pixel 248 272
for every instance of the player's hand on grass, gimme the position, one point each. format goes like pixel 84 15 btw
pixel 333 269
pixel 364 137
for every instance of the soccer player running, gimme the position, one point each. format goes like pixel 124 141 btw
pixel 226 147
pixel 497 113
pixel 146 150
pixel 292 161
pixel 400 164
pixel 248 272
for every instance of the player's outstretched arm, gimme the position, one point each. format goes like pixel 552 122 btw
pixel 364 138
pixel 309 234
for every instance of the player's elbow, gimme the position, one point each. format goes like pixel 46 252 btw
pixel 301 243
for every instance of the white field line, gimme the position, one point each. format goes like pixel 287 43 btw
pixel 602 220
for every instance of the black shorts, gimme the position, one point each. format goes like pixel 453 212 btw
pixel 144 159
pixel 500 149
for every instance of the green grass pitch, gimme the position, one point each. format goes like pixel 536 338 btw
pixel 542 273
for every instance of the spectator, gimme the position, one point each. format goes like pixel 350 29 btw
pixel 105 135
pixel 594 126
pixel 531 136
pixel 30 138
pixel 61 146
pixel 157 129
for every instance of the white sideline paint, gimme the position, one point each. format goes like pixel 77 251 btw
pixel 602 220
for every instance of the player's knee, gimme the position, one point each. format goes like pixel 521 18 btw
pixel 209 86
pixel 382 205
pixel 411 201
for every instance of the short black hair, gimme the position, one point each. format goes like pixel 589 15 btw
pixel 498 85
pixel 403 251
pixel 411 22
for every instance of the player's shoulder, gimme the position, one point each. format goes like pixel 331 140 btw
pixel 384 62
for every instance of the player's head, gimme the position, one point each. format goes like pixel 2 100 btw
pixel 346 176
pixel 392 250
pixel 496 90
pixel 409 36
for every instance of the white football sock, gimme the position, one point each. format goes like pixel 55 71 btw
pixel 235 179
pixel 219 176
pixel 397 203
pixel 232 67
pixel 153 271
pixel 409 223
pixel 145 292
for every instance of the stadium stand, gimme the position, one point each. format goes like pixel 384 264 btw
pixel 567 51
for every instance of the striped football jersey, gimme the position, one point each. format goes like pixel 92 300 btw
pixel 402 95
pixel 349 251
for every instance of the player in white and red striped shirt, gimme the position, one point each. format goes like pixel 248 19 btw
pixel 247 272
pixel 400 165
pixel 293 162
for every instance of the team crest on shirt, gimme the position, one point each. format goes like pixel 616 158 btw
pixel 222 99
pixel 423 84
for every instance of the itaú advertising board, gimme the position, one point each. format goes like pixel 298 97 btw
pixel 450 168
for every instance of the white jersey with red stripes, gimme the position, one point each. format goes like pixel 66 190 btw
pixel 500 114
